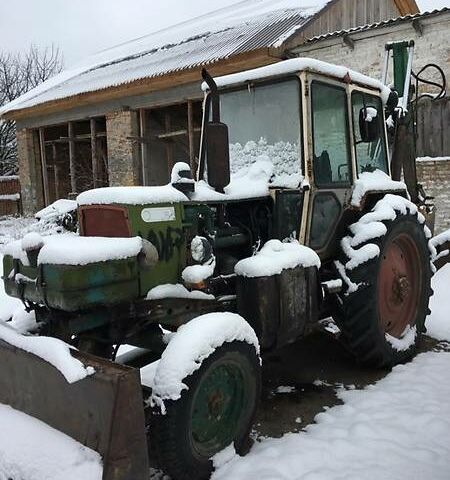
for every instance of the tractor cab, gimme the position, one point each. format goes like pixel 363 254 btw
pixel 317 128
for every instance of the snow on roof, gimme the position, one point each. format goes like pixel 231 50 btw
pixel 243 27
pixel 294 65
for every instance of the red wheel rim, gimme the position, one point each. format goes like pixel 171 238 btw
pixel 399 285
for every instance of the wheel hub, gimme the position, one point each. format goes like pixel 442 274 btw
pixel 399 285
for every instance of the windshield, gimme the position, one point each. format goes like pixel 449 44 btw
pixel 264 127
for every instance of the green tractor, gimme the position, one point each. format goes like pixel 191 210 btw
pixel 293 217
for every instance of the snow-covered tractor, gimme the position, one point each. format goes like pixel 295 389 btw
pixel 292 216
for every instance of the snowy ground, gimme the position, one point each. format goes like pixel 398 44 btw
pixel 398 428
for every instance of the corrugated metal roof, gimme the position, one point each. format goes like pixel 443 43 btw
pixel 372 26
pixel 247 26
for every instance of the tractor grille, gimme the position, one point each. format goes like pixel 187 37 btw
pixel 104 221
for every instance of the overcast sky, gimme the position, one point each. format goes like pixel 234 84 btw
pixel 81 27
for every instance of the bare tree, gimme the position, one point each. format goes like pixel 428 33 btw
pixel 19 73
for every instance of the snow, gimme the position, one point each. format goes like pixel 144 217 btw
pixel 74 250
pixel 56 209
pixel 371 113
pixel 178 168
pixel 294 65
pixel 31 241
pixel 195 274
pixel 396 429
pixel 433 159
pixel 192 344
pixel 176 291
pixel 371 226
pixel 283 156
pixel 203 40
pixel 31 450
pixel 13 197
pixel 9 306
pixel 8 178
pixel 276 256
pixel 438 323
pixel 131 195
pixel 52 350
pixel 406 340
pixel 376 181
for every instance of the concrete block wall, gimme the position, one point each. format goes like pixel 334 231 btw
pixel 123 152
pixel 435 177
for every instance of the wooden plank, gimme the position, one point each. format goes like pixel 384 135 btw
pixel 191 135
pixel 56 171
pixel 44 165
pixel 94 156
pixel 73 182
pixel 143 142
pixel 169 146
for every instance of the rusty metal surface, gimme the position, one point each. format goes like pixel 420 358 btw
pixel 103 412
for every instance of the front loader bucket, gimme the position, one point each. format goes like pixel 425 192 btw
pixel 103 411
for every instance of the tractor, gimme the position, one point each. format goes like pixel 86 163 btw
pixel 295 213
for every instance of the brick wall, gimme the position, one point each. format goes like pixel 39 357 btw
pixel 435 177
pixel 9 195
pixel 123 152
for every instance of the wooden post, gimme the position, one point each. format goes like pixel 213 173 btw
pixel 191 135
pixel 142 134
pixel 44 166
pixel 73 182
pixel 169 145
pixel 94 156
pixel 56 170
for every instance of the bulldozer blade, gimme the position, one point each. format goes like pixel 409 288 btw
pixel 104 411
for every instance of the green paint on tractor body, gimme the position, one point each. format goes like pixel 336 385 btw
pixel 74 288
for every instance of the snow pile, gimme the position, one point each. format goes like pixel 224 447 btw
pixel 371 113
pixel 376 181
pixel 9 306
pixel 438 322
pixel 31 450
pixel 57 209
pixel 52 350
pixel 294 65
pixel 195 274
pixel 437 242
pixel 179 173
pixel 371 226
pixel 74 250
pixel 131 195
pixel 193 343
pixel 31 241
pixel 397 429
pixel 177 291
pixel 406 340
pixel 276 256
pixel 284 156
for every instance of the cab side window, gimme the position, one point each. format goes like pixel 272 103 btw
pixel 330 135
pixel 370 155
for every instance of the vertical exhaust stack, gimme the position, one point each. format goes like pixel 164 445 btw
pixel 217 141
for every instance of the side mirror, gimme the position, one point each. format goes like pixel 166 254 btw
pixel 369 124
pixel 218 155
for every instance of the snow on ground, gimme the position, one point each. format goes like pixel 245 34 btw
pixel 438 323
pixel 31 450
pixel 396 429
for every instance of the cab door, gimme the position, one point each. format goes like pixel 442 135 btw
pixel 330 156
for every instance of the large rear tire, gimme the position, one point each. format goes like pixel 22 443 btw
pixel 216 410
pixel 389 295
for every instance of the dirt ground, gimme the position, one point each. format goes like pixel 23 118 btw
pixel 302 379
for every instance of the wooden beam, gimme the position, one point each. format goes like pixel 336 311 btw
pixel 44 165
pixel 142 132
pixel 73 182
pixel 56 171
pixel 191 135
pixel 169 146
pixel 94 156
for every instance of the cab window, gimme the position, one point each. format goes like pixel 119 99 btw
pixel 330 135
pixel 370 155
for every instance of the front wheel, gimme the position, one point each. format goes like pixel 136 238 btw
pixel 216 410
pixel 386 302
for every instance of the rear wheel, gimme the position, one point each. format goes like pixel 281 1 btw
pixel 216 410
pixel 383 314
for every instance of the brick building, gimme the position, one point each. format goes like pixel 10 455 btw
pixel 124 116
